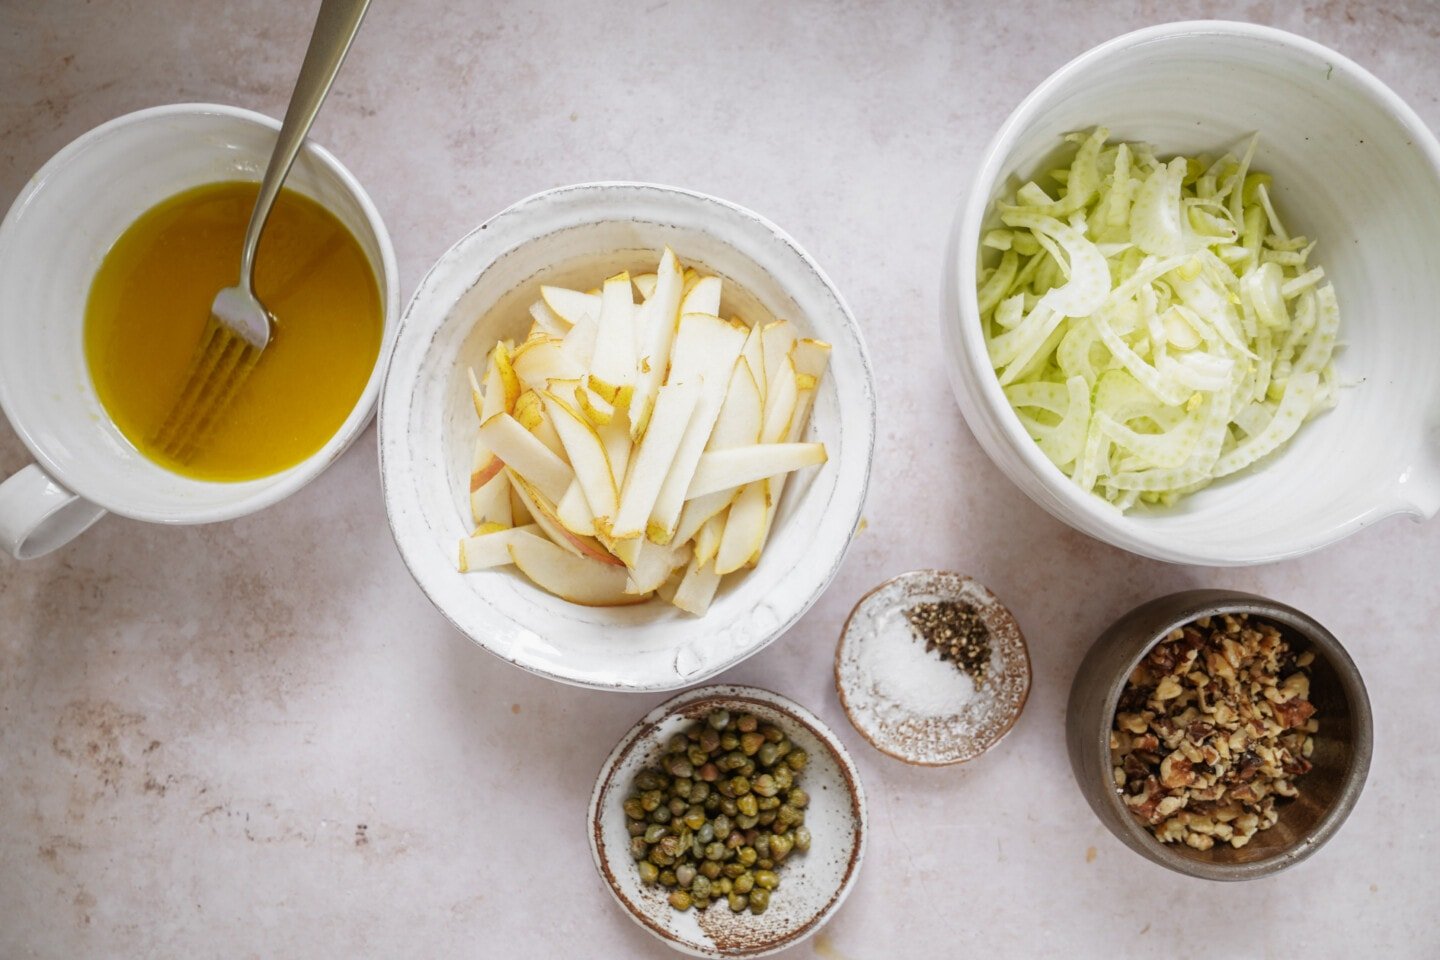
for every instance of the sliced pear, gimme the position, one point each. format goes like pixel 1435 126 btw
pixel 707 540
pixel 520 514
pixel 666 590
pixel 548 320
pixel 579 343
pixel 544 513
pixel 528 410
pixel 706 349
pixel 596 408
pixel 703 297
pixel 653 566
pixel 477 396
pixel 612 369
pixel 674 407
pixel 754 354
pixel 645 284
pixel 697 589
pixel 490 501
pixel 780 402
pixel 737 466
pixel 539 362
pixel 779 337
pixel 692 277
pixel 569 577
pixel 545 432
pixel 571 305
pixel 658 317
pixel 615 435
pixel 526 455
pixel 573 512
pixel 486 550
pixel 744 527
pixel 508 381
pixel 739 424
pixel 810 358
pixel 587 457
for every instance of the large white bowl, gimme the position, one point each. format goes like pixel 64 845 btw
pixel 1353 167
pixel 478 292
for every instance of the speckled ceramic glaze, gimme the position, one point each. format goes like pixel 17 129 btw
pixel 876 701
pixel 1355 169
pixel 478 292
pixel 812 885
pixel 1327 793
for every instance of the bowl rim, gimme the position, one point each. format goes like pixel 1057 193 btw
pixel 277 486
pixel 393 401
pixel 644 728
pixel 1190 605
pixel 969 371
pixel 886 747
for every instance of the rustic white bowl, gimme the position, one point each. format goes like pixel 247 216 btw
pixel 478 292
pixel 1355 168
pixel 812 885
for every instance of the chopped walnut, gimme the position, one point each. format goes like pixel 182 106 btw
pixel 1212 730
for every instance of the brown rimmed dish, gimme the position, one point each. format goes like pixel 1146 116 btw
pixel 908 702
pixel 1342 745
pixel 812 886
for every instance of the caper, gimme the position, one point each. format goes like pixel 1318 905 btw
pixel 796 760
pixel 772 733
pixel 714 851
pixel 681 788
pixel 633 810
pixel 736 839
pixel 750 742
pixel 694 818
pixel 783 748
pixel 780 847
pixel 739 786
pixel 660 858
pixel 767 755
pixel 744 883
pixel 712 803
pixel 685 874
pixel 650 799
pixel 667 878
pixel 768 803
pixel 737 902
pixel 747 723
pixel 765 863
pixel 765 785
pixel 649 873
pixel 679 766
pixel 746 769
pixel 710 869
pixel 636 828
pixel 759 900
pixel 729 740
pixel 747 856
pixel 762 844
pixel 700 888
pixel 677 806
pixel 709 773
pixel 721 886
pixel 745 821
pixel 638 848
pixel 766 818
pixel 798 798
pixel 669 845
pixel 654 832
pixel 747 804
pixel 678 743
pixel 718 719
pixel 733 870
pixel 787 815
pixel 784 778
pixel 699 791
pixel 729 807
pixel 733 760
pixel 766 879
pixel 802 839
pixel 680 900
pixel 706 833
pixel 647 780
pixel 709 740
pixel 660 815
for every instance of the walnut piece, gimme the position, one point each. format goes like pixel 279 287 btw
pixel 1214 728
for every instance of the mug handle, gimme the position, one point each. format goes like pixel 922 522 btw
pixel 37 515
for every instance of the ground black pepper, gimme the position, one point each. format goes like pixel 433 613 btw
pixel 956 631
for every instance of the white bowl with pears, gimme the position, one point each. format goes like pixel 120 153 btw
pixel 524 361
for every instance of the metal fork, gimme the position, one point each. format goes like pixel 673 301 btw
pixel 240 327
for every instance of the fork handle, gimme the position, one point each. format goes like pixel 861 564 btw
pixel 335 29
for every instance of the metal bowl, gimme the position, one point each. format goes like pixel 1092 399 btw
pixel 1327 793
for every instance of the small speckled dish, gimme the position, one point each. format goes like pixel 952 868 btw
pixel 812 885
pixel 909 703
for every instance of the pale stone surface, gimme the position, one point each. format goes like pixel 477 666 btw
pixel 217 742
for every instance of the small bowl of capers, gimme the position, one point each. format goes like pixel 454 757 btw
pixel 729 822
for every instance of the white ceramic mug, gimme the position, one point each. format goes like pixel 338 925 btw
pixel 51 244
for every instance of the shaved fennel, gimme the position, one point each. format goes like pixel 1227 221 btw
pixel 1156 327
